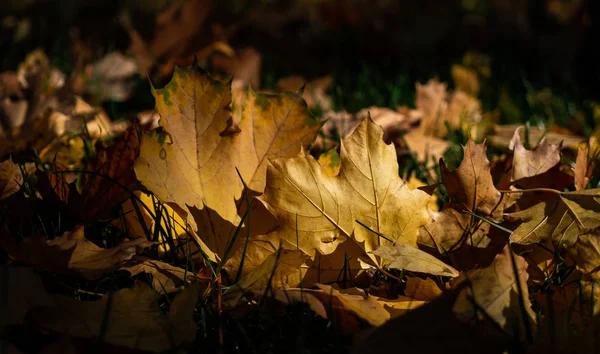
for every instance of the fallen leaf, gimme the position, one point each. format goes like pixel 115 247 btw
pixel 71 253
pixel 440 108
pixel 400 306
pixel 421 289
pixel 111 77
pixel 318 212
pixel 532 163
pixel 449 229
pixel 499 292
pixel 314 92
pixel 193 163
pixel 403 257
pixel 431 328
pixel 471 183
pixel 586 253
pixel 364 306
pixel 580 172
pixel 502 135
pixel 273 272
pixel 165 277
pixel 562 218
pixel 426 148
pixel 11 179
pixel 129 317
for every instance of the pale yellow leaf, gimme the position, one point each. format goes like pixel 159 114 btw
pixel 401 256
pixel 326 208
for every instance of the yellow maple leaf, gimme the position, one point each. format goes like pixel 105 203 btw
pixel 192 162
pixel 317 212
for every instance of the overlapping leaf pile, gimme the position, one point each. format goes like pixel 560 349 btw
pixel 226 183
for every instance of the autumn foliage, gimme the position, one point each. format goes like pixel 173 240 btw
pixel 229 198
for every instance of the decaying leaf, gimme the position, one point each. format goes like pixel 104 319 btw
pixel 193 163
pixel 449 230
pixel 471 183
pixel 562 218
pixel 531 163
pixel 365 306
pixel 317 212
pixel 582 171
pixel 165 277
pixel 400 256
pixel 129 317
pixel 503 134
pixel 71 253
pixel 11 179
pixel 499 292
pixel 111 78
pixel 282 269
pixel 426 148
pixel 314 93
pixel 422 289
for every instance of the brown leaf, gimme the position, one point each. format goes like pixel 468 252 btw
pixel 562 218
pixel 422 289
pixel 71 253
pixel 281 269
pixel 449 230
pixel 471 183
pixel 111 77
pixel 165 277
pixel 11 179
pixel 314 93
pixel 532 163
pixel 427 148
pixel 431 328
pixel 498 291
pixel 503 135
pixel 581 169
pixel 129 317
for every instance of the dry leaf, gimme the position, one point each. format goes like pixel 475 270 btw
pixel 422 289
pixel 426 148
pixel 431 328
pixel 364 306
pixel 111 78
pixel 449 230
pixel 562 218
pixel 532 163
pixel 129 317
pixel 282 269
pixel 503 134
pixel 71 253
pixel 165 277
pixel 318 212
pixel 471 183
pixel 498 291
pixel 314 92
pixel 400 256
pixel 581 169
pixel 194 162
pixel 11 179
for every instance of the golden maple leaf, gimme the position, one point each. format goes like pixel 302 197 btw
pixel 317 212
pixel 193 161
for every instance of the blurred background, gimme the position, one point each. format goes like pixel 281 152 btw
pixel 524 60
